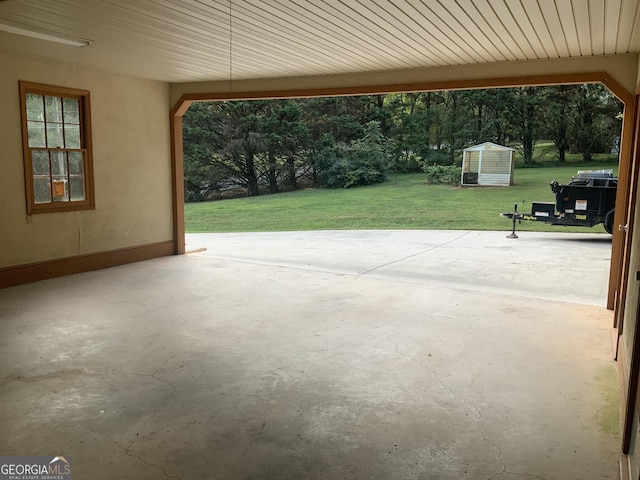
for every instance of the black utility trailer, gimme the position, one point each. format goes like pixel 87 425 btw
pixel 589 199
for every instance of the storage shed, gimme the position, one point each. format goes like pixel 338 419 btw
pixel 487 164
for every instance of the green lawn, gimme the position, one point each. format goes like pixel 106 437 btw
pixel 403 202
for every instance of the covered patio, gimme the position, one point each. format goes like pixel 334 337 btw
pixel 223 364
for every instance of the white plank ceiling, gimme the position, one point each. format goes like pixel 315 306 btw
pixel 196 40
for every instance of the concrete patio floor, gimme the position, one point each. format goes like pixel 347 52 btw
pixel 321 355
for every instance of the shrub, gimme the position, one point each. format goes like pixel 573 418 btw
pixel 443 174
pixel 406 162
pixel 363 162
pixel 355 167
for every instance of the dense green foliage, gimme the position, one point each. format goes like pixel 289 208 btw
pixel 444 174
pixel 362 162
pixel 247 148
pixel 404 201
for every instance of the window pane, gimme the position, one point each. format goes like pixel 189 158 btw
pixel 53 106
pixel 55 154
pixel 35 107
pixel 72 136
pixel 77 188
pixel 59 163
pixel 40 162
pixel 42 189
pixel 59 188
pixel 76 163
pixel 36 134
pixel 71 110
pixel 54 135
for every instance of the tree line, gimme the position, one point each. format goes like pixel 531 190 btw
pixel 269 146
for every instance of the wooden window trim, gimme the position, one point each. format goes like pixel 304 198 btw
pixel 83 97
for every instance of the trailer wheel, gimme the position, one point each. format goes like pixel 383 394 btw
pixel 608 221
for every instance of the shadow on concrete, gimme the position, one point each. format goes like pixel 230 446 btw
pixel 602 239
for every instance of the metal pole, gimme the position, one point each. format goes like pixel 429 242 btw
pixel 514 218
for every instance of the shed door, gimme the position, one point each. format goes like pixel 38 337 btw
pixel 470 164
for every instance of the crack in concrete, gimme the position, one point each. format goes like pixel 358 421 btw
pixel 168 359
pixel 138 457
pixel 136 437
pixel 531 475
pixel 413 255
pixel 155 376
pixel 253 439
pixel 475 409
pixel 174 390
pixel 144 460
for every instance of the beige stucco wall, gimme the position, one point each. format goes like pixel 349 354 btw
pixel 132 170
pixel 623 68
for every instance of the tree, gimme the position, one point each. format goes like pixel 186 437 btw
pixel 292 139
pixel 200 145
pixel 480 115
pixel 523 116
pixel 456 121
pixel 362 162
pixel 410 131
pixel 591 124
pixel 344 141
pixel 557 101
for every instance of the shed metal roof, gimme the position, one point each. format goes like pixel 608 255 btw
pixel 487 146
